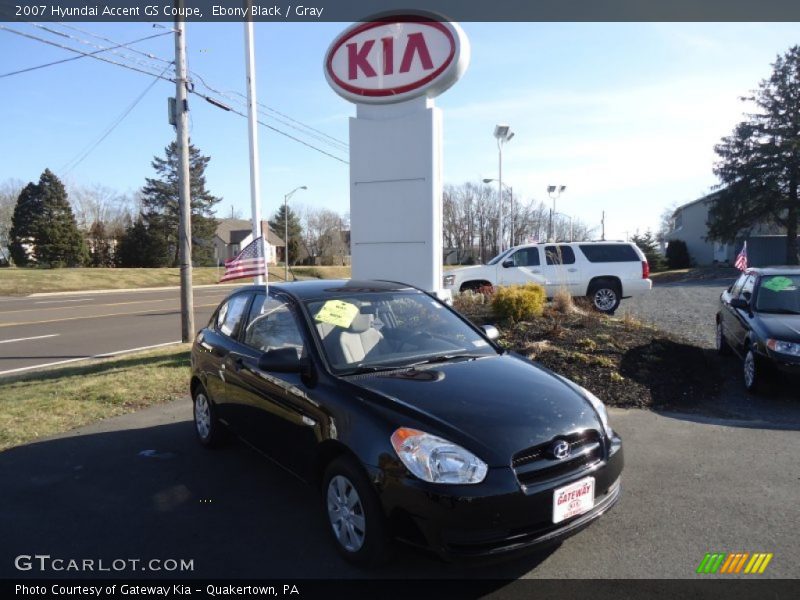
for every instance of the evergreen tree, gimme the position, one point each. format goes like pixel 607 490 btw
pixel 24 226
pixel 678 255
pixel 160 209
pixel 759 166
pixel 99 246
pixel 138 248
pixel 649 245
pixel 278 225
pixel 44 228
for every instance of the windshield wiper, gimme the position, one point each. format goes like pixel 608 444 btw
pixel 375 368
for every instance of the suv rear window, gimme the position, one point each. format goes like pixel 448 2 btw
pixel 603 253
pixel 559 255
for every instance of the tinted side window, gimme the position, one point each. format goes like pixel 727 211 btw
pixel 559 255
pixel 602 253
pixel 230 315
pixel 272 325
pixel 527 257
pixel 737 286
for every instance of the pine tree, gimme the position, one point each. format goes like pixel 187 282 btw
pixel 44 230
pixel 759 166
pixel 649 245
pixel 138 248
pixel 278 225
pixel 99 246
pixel 160 208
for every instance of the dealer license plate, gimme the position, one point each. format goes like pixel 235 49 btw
pixel 573 499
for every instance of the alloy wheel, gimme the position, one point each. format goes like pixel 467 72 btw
pixel 202 415
pixel 605 299
pixel 749 370
pixel 346 513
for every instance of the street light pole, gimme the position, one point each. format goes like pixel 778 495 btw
pixel 554 191
pixel 503 134
pixel 511 193
pixel 286 230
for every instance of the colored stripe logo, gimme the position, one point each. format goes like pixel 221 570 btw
pixel 734 563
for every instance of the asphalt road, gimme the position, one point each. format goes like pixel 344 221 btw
pixel 140 487
pixel 46 330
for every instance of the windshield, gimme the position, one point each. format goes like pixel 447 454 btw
pixel 779 294
pixel 500 256
pixel 368 332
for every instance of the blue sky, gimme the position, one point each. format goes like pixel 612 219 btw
pixel 624 115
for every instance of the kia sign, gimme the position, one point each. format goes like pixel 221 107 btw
pixel 395 58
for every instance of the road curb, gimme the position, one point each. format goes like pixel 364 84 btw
pixel 126 290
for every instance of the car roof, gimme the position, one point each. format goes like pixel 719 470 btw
pixel 320 288
pixel 776 270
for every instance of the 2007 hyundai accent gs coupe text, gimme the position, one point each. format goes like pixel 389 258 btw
pixel 413 422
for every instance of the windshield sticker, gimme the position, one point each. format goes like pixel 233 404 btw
pixel 780 284
pixel 337 312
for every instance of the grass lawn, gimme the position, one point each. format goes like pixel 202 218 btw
pixel 17 282
pixel 45 403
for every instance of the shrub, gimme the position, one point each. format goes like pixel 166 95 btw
pixel 562 301
pixel 678 255
pixel 519 302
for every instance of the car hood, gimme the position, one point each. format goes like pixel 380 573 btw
pixel 781 327
pixel 494 406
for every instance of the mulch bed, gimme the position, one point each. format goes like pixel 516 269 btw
pixel 621 360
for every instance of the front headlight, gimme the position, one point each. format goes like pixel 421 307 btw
pixel 449 280
pixel 790 348
pixel 600 408
pixel 436 460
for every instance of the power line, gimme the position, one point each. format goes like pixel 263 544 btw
pixel 89 54
pixel 58 62
pixel 79 158
pixel 106 39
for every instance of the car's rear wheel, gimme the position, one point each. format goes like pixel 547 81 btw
pixel 354 513
pixel 207 426
pixel 722 346
pixel 605 296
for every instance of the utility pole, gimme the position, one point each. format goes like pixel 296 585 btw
pixel 603 227
pixel 184 198
pixel 252 130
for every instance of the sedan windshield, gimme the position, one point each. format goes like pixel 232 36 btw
pixel 779 294
pixel 371 332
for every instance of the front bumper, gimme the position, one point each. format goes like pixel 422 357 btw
pixel 497 516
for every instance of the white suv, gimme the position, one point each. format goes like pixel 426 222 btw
pixel 606 272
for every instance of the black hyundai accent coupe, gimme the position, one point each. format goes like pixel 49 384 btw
pixel 759 319
pixel 414 424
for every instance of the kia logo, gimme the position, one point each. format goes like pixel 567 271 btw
pixel 396 58
pixel 560 449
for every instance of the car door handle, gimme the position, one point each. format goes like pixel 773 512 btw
pixel 537 271
pixel 572 270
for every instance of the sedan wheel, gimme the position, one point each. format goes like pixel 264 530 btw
pixel 354 513
pixel 208 428
pixel 751 372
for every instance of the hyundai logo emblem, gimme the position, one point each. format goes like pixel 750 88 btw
pixel 560 449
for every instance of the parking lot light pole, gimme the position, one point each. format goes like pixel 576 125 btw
pixel 510 193
pixel 554 191
pixel 502 134
pixel 286 230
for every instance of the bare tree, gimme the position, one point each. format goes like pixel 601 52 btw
pixel 324 232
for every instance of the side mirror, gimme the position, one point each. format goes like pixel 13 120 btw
pixel 508 263
pixel 740 303
pixel 491 332
pixel 281 360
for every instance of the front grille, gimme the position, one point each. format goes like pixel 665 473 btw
pixel 538 465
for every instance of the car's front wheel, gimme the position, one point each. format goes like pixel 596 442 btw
pixel 753 372
pixel 605 296
pixel 209 430
pixel 354 514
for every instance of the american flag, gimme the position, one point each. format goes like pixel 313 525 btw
pixel 741 259
pixel 248 263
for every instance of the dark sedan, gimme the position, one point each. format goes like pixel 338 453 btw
pixel 413 423
pixel 759 319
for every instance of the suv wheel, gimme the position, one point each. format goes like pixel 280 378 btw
pixel 722 346
pixel 354 513
pixel 605 296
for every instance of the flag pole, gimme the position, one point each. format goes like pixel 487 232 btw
pixel 252 128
